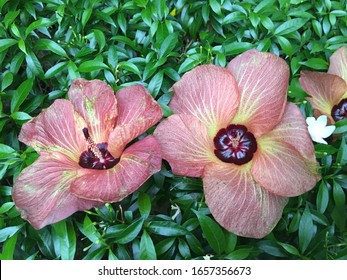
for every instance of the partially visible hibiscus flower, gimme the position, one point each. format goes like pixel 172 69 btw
pixel 84 159
pixel 234 128
pixel 328 90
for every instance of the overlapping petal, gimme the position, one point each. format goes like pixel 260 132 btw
pixel 137 112
pixel 262 79
pixel 240 204
pixel 281 169
pixel 136 165
pixel 41 192
pixel 293 130
pixel 96 103
pixel 185 144
pixel 209 93
pixel 338 63
pixel 56 129
pixel 326 90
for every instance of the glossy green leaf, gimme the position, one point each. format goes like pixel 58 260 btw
pixel 290 26
pixel 306 229
pixel 145 205
pixel 6 43
pixel 130 232
pixel 92 65
pixel 166 228
pixel 147 249
pixel 64 231
pixel 212 232
pixel 21 94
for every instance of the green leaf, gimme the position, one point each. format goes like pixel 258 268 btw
pixel 147 249
pixel 65 232
pixel 155 83
pixel 47 44
pixel 42 22
pixel 213 232
pixel 130 232
pixel 239 254
pixel 166 228
pixel 290 249
pixel 6 80
pixel 20 116
pixel 131 67
pixel 168 45
pixel 164 245
pixel 215 6
pixel 237 47
pixel 56 69
pixel 21 94
pixel 144 203
pixel 86 16
pixel 100 39
pixel 90 231
pixel 6 207
pixel 183 248
pixel 92 65
pixel 8 232
pixel 285 45
pixel 339 195
pixel 122 22
pixel 306 229
pixel 6 43
pixel 290 26
pixel 9 248
pixel 316 63
pixel 322 197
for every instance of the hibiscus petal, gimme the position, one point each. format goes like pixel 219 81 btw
pixel 293 130
pixel 185 144
pixel 263 81
pixel 137 112
pixel 326 90
pixel 238 203
pixel 281 169
pixel 56 129
pixel 338 63
pixel 136 165
pixel 96 103
pixel 41 192
pixel 209 93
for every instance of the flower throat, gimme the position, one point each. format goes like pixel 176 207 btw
pixel 97 156
pixel 235 144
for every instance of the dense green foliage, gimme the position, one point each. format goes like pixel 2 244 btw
pixel 45 44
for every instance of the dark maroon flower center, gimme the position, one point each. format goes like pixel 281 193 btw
pixel 339 111
pixel 235 144
pixel 97 156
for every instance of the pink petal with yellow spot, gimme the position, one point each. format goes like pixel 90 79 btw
pixel 281 169
pixel 262 79
pixel 137 112
pixel 209 93
pixel 293 130
pixel 42 191
pixel 56 129
pixel 96 103
pixel 238 203
pixel 185 144
pixel 338 63
pixel 136 165
pixel 326 90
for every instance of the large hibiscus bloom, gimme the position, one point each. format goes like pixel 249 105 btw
pixel 328 90
pixel 84 161
pixel 234 128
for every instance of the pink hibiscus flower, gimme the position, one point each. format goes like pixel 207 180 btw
pixel 234 128
pixel 328 90
pixel 84 161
